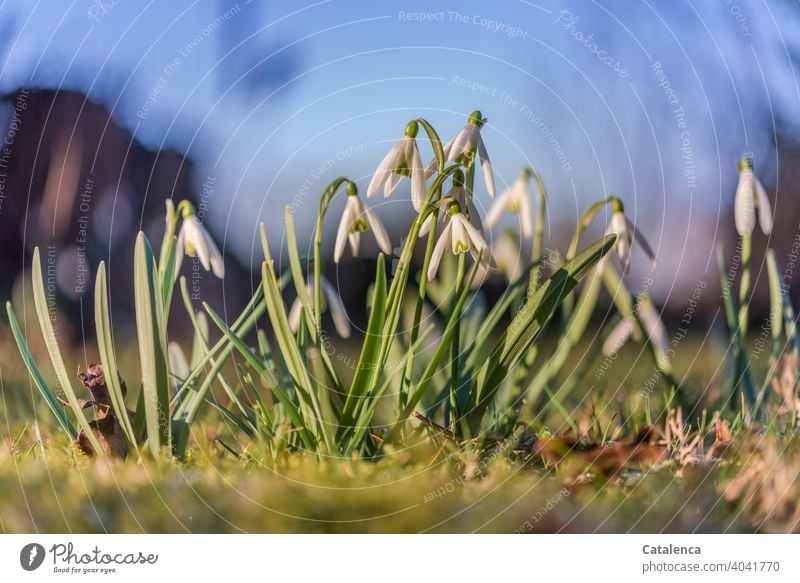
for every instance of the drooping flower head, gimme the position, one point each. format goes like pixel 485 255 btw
pixel 194 240
pixel 466 147
pixel 402 161
pixel 516 199
pixel 329 298
pixel 651 321
pixel 356 219
pixel 460 195
pixel 626 233
pixel 751 198
pixel 460 236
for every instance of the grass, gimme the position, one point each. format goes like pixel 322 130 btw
pixel 215 492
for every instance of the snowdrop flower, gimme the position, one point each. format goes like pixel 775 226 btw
pixel 402 161
pixel 178 365
pixel 195 241
pixel 466 146
pixel 515 199
pixel 751 197
pixel 356 219
pixel 626 233
pixel 651 321
pixel 330 298
pixel 507 255
pixel 460 236
pixel 459 194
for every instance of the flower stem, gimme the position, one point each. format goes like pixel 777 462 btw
pixel 538 238
pixel 742 369
pixel 455 346
pixel 421 293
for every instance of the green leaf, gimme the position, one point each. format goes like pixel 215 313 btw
pixel 573 332
pixel 529 322
pixel 294 361
pixel 48 394
pixel 153 356
pixel 308 308
pixel 105 346
pixel 776 293
pixel 436 142
pixel 43 315
pixel 444 346
pixel 167 276
pixel 368 360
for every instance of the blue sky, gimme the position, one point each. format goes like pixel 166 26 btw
pixel 653 101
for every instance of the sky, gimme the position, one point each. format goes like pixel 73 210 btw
pixel 653 101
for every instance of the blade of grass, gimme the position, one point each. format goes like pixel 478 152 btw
pixel 368 360
pixel 153 356
pixel 48 394
pixel 105 346
pixel 43 315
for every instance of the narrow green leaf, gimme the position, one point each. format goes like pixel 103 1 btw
pixel 527 324
pixel 368 360
pixel 43 315
pixel 153 356
pixel 105 346
pixel 48 394
pixel 776 293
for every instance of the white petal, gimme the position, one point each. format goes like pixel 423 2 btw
pixel 460 238
pixel 294 315
pixel 476 238
pixel 340 319
pixel 653 325
pixel 498 207
pixel 507 256
pixel 474 216
pixel 480 275
pixel 417 179
pixel 438 250
pixel 377 228
pixel 344 229
pixel 460 142
pixel 426 225
pixel 619 227
pixel 355 242
pixel 177 361
pixel 618 336
pixel 384 169
pixel 486 166
pixel 391 184
pixel 764 208
pixel 217 264
pixel 196 233
pixel 525 212
pixel 744 209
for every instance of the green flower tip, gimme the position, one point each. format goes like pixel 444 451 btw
pixel 745 163
pixel 458 178
pixel 352 189
pixel 454 208
pixel 186 209
pixel 412 129
pixel 526 173
pixel 476 118
pixel 616 204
